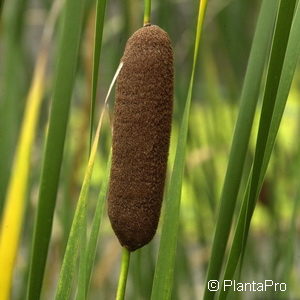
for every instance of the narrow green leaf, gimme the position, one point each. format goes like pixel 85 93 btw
pixel 91 249
pixel 69 263
pixel 15 204
pixel 288 70
pixel 249 98
pixel 13 89
pixel 100 14
pixel 282 30
pixel 281 35
pixel 164 272
pixel 266 140
pixel 77 228
pixel 83 277
pixel 94 237
pixel 235 250
pixel 81 286
pixel 64 81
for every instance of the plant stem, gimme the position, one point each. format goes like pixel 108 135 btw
pixel 147 12
pixel 123 274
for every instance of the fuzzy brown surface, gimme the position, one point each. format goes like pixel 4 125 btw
pixel 141 136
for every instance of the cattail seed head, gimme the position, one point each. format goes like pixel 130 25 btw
pixel 141 136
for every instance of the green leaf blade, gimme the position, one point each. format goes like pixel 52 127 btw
pixel 99 25
pixel 64 81
pixel 241 137
pixel 164 272
pixel 281 69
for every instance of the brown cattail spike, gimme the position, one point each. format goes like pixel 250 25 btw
pixel 141 136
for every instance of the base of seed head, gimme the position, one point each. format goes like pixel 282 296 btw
pixel 141 136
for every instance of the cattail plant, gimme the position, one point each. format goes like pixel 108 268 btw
pixel 55 240
pixel 141 134
pixel 141 137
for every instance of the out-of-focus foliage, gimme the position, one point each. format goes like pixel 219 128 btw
pixel 225 47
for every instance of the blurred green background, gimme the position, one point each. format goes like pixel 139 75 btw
pixel 229 27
